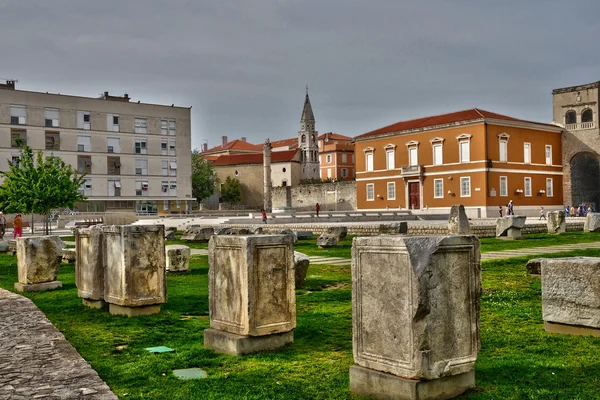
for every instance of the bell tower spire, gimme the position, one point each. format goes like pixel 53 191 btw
pixel 307 142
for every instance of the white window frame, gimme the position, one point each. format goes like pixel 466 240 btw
pixel 503 140
pixel 390 159
pixel 370 186
pixel 328 158
pixel 140 125
pixel 505 192
pixel 369 161
pixel 143 147
pixel 462 191
pixel 143 162
pixel 549 187
pixel 165 167
pixel 344 158
pixel 464 147
pixel 52 114
pixel 391 185
pixel 527 153
pixel 548 154
pixel 329 173
pixel 413 156
pixel 527 186
pixel 164 127
pixel 115 148
pixel 164 188
pixel 172 147
pixel 440 146
pixel 87 145
pixel 165 205
pixel 344 172
pixel 435 194
pixel 172 167
pixel 172 128
pixel 19 112
pixel 110 123
pixel 86 187
pixel 173 188
pixel 81 123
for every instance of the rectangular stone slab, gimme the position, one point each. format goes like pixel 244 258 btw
pixel 38 258
pixel 415 304
pixel 89 263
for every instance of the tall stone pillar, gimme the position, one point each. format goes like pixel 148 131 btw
pixel 89 266
pixel 415 316
pixel 251 293
pixel 267 175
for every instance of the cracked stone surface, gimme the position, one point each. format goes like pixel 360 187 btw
pixel 37 362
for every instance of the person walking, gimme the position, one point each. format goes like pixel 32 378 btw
pixel 542 213
pixel 18 226
pixel 510 209
pixel 264 215
pixel 318 208
pixel 2 225
pixel 500 210
pixel 572 211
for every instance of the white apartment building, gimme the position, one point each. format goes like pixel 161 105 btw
pixel 137 156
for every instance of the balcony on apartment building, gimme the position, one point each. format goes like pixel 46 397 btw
pixel 411 171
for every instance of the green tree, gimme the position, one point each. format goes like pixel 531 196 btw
pixel 204 177
pixel 38 184
pixel 231 191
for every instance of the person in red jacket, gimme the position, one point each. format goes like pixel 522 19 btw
pixel 318 208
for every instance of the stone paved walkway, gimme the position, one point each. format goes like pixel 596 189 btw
pixel 37 362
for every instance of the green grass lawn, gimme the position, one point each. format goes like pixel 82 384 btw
pixel 518 360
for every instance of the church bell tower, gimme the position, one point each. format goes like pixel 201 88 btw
pixel 307 142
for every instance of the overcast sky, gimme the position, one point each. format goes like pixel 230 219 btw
pixel 243 64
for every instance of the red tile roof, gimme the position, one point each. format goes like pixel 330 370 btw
pixel 236 145
pixel 292 143
pixel 436 120
pixel 254 158
pixel 335 136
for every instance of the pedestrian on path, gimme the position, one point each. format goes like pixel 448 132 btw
pixel 18 226
pixel 509 208
pixel 542 213
pixel 500 210
pixel 318 208
pixel 2 225
pixel 264 215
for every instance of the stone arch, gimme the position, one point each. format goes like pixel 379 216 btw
pixel 587 115
pixel 570 117
pixel 585 179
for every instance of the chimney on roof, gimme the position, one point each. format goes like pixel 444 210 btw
pixel 224 140
pixel 106 96
pixel 243 139
pixel 10 84
pixel 126 96
pixel 205 146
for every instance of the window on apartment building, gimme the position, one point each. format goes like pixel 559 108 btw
pixel 570 117
pixel 114 188
pixel 173 188
pixel 52 140
pixel 328 172
pixel 51 117
pixel 503 150
pixel 587 116
pixel 18 115
pixel 465 151
pixel 84 120
pixel 84 143
pixel 165 167
pixel 370 191
pixel 178 203
pixel 344 172
pixel 413 156
pixel 164 148
pixel 390 158
pixel 548 154
pixel 113 145
pixel 141 166
pixel 86 187
pixel 328 158
pixel 164 127
pixel 18 136
pixel 112 123
pixel 140 146
pixel 140 125
pixel 141 188
pixel 14 159
pixel 438 158
pixel 528 187
pixel 344 158
pixel 465 186
pixel 113 165
pixel 165 205
pixel 438 188
pixel 164 188
pixel 369 161
pixel 391 190
pixel 84 164
pixel 172 129
pixel 173 168
pixel 172 147
pixel 527 153
pixel 549 187
pixel 503 186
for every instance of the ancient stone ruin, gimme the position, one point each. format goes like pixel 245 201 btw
pixel 458 222
pixel 571 295
pixel 301 263
pixel 509 227
pixel 340 231
pixel 556 222
pixel 592 223
pixel 89 265
pixel 197 233
pixel 178 258
pixel 252 299
pixel 394 228
pixel 327 240
pixel 415 315
pixel 38 262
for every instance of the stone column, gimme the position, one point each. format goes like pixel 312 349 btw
pixel 38 262
pixel 509 227
pixel 267 176
pixel 252 298
pixel 135 282
pixel 415 315
pixel 89 266
pixel 458 222
pixel 556 222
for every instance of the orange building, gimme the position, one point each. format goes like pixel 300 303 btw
pixel 474 157
pixel 336 155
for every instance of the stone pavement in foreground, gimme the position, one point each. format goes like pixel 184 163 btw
pixel 36 361
pixel 492 255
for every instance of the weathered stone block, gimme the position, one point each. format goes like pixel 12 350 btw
pixel 257 231
pixel 458 222
pixel 178 258
pixel 301 263
pixel 38 259
pixel 251 285
pixel 238 345
pixel 509 227
pixel 415 305
pixel 222 231
pixel 89 263
pixel 395 228
pixel 69 256
pixel 556 222
pixel 571 291
pixel 592 223
pixel 288 232
pixel 4 246
pixel 197 233
pixel 304 234
pixel 340 231
pixel 135 266
pixel 170 233
pixel 327 240
pixel 534 266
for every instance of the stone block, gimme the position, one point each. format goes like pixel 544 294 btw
pixel 301 263
pixel 288 232
pixel 69 256
pixel 197 233
pixel 534 266
pixel 592 222
pixel 37 287
pixel 257 231
pixel 301 235
pixel 222 231
pixel 89 263
pixel 327 240
pixel 12 246
pixel 415 307
pixel 170 233
pixel 251 285
pixel 116 309
pixel 135 273
pixel 239 345
pixel 178 258
pixel 38 259
pixel 510 227
pixel 395 228
pixel 571 291
pixel 556 222
pixel 458 222
pixel 4 246
pixel 340 231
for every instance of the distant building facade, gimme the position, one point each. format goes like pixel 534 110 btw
pixel 137 157
pixel 474 157
pixel 336 156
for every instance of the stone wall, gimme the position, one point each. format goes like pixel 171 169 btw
pixel 338 196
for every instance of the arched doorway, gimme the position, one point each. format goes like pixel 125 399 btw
pixel 585 179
